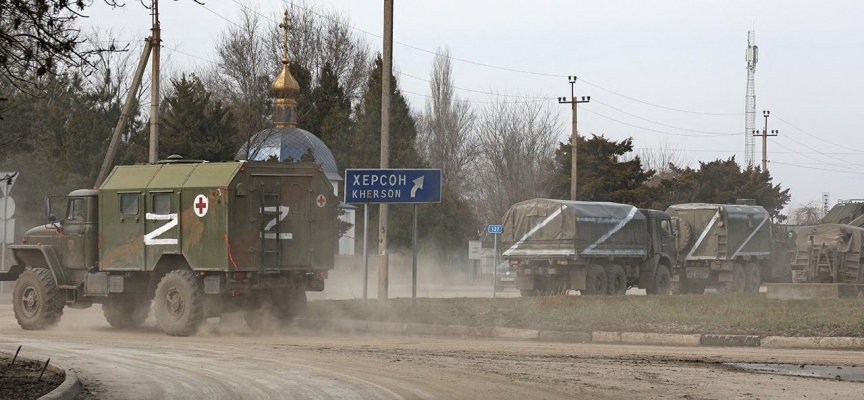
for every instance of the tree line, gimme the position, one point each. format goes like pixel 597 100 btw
pixel 493 155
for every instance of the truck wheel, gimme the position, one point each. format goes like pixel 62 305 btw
pixel 126 312
pixel 288 304
pixel 662 281
pixel 179 303
pixel 36 300
pixel 739 280
pixel 596 281
pixel 616 279
pixel 753 280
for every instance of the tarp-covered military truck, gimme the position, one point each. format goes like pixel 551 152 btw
pixel 195 238
pixel 829 253
pixel 728 245
pixel 594 247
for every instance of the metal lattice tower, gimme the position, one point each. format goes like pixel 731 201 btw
pixel 752 56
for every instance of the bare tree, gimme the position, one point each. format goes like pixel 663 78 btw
pixel 807 214
pixel 517 145
pixel 661 159
pixel 244 71
pixel 445 130
pixel 320 36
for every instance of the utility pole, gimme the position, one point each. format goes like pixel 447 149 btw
pixel 765 135
pixel 154 86
pixel 386 73
pixel 573 102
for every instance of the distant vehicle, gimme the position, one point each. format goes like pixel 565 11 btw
pixel 194 238
pixel 506 276
pixel 594 247
pixel 727 245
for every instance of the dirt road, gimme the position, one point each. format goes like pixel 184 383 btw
pixel 226 362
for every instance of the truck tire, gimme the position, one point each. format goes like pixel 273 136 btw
pixel 288 304
pixel 126 312
pixel 683 233
pixel 616 279
pixel 596 281
pixel 528 293
pixel 752 279
pixel 179 303
pixel 36 300
pixel 739 280
pixel 662 283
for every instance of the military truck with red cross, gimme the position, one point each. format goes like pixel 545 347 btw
pixel 192 239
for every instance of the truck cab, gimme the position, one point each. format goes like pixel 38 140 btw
pixel 660 230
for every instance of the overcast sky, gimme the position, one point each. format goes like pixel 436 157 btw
pixel 683 55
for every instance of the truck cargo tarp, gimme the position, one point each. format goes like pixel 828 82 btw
pixel 842 238
pixel 546 227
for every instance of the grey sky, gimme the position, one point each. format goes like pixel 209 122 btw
pixel 680 54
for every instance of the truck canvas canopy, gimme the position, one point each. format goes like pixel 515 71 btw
pixel 549 227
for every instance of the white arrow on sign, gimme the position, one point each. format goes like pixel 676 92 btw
pixel 418 184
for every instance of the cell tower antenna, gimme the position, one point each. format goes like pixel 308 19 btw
pixel 752 57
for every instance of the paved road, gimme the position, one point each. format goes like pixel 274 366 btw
pixel 226 361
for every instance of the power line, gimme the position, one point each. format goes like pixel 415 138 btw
pixel 817 168
pixel 666 125
pixel 491 66
pixel 653 130
pixel 846 147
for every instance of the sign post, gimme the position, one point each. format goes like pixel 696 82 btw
pixel 7 210
pixel 365 251
pixel 495 230
pixel 393 186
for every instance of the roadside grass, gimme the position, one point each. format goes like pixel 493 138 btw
pixel 751 314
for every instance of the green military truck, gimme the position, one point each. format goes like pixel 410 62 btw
pixel 731 246
pixel 195 239
pixel 594 247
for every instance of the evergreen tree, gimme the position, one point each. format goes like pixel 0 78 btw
pixel 304 101
pixel 366 132
pixel 723 182
pixel 330 115
pixel 605 173
pixel 194 125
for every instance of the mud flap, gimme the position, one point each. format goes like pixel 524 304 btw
pixel 12 274
pixel 577 277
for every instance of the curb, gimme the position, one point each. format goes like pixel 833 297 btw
pixel 67 390
pixel 599 337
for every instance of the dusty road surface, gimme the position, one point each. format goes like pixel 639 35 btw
pixel 225 361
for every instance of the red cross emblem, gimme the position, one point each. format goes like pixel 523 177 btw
pixel 200 205
pixel 321 200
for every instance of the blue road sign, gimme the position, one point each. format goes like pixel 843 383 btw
pixel 496 229
pixel 375 186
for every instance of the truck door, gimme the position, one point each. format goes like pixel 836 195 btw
pixel 160 227
pixel 73 241
pixel 667 237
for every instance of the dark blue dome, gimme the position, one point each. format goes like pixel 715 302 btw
pixel 289 143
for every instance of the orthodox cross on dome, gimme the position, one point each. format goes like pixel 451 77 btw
pixel 285 89
pixel 285 25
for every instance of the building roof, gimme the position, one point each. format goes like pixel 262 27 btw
pixel 291 144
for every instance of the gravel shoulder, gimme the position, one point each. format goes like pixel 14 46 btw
pixel 225 361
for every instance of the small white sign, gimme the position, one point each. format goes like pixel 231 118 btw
pixel 475 250
pixel 201 205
